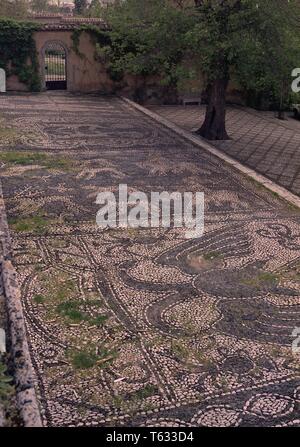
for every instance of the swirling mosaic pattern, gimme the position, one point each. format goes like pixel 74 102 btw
pixel 144 327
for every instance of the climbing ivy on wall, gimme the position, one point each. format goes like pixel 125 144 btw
pixel 98 36
pixel 18 55
pixel 103 43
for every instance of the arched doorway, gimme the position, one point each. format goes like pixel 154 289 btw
pixel 55 62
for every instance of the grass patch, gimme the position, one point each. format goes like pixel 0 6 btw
pixel 19 158
pixel 148 391
pixel 292 274
pixel 83 360
pixel 57 287
pixel 98 321
pixel 8 135
pixel 224 384
pixel 39 299
pixel 87 359
pixel 260 279
pixel 64 289
pixel 22 158
pixel 6 389
pixel 72 310
pixel 210 256
pixel 131 403
pixel 179 350
pixel 293 207
pixel 35 224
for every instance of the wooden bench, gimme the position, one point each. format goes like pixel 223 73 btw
pixel 191 100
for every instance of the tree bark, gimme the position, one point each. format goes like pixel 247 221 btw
pixel 284 93
pixel 214 126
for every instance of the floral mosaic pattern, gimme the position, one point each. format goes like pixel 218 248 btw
pixel 144 327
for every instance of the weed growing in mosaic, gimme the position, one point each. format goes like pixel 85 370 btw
pixel 20 158
pixel 73 310
pixel 179 349
pixel 210 256
pixel 39 299
pixel 34 224
pixel 89 358
pixel 261 279
pixel 5 383
pixel 83 359
pixel 148 391
pixel 8 136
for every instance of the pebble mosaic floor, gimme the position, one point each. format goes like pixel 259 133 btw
pixel 144 327
pixel 258 140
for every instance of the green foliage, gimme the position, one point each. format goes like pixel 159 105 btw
pixel 98 321
pixel 5 380
pixel 35 224
pixel 83 359
pixel 256 42
pixel 47 161
pixel 18 54
pixel 148 391
pixel 95 9
pixel 70 310
pixel 8 136
pixel 146 39
pixel 212 255
pixel 22 158
pixel 80 6
pixel 76 312
pixel 99 37
pixel 268 58
pixel 89 358
pixel 261 279
pixel 39 299
pixel 40 5
pixel 46 6
pixel 17 9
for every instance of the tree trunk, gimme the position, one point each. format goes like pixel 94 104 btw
pixel 214 126
pixel 283 97
pixel 281 115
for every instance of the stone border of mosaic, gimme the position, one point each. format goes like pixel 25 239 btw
pixel 2 419
pixel 203 144
pixel 23 371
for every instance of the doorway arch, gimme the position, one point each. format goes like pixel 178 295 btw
pixel 55 66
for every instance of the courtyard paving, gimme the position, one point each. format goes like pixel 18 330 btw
pixel 258 140
pixel 144 327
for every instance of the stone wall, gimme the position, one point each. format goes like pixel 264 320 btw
pixel 86 75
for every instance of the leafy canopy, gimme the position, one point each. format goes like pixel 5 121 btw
pixel 256 42
pixel 18 51
pixel 146 39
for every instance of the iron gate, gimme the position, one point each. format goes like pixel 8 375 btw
pixel 55 67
